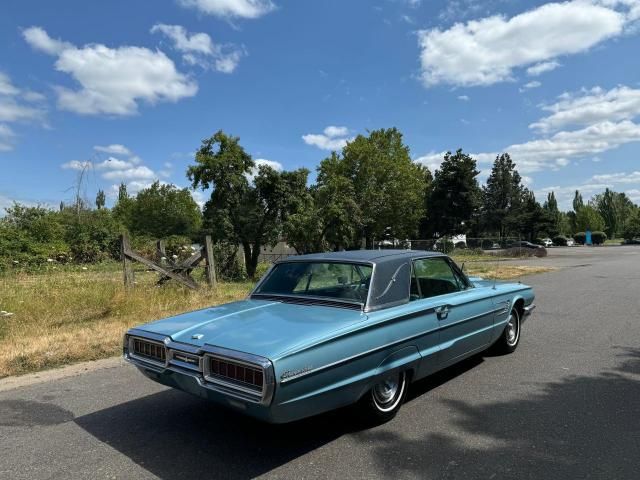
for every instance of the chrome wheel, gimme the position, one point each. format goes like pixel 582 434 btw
pixel 389 392
pixel 513 329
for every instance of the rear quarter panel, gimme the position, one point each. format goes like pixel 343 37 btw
pixel 336 371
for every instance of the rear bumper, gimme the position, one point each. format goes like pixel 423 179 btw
pixel 527 311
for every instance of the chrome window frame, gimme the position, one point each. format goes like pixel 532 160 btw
pixel 292 259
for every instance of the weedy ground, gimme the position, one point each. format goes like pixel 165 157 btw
pixel 66 314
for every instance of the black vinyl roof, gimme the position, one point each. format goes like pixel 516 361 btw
pixel 369 256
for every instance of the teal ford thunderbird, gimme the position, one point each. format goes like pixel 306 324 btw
pixel 327 330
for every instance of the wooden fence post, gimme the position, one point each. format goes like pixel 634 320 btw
pixel 211 266
pixel 127 269
pixel 162 253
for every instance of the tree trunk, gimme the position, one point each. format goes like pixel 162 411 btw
pixel 248 264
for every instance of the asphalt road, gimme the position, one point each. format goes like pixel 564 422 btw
pixel 565 405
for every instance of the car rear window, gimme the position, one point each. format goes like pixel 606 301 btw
pixel 340 281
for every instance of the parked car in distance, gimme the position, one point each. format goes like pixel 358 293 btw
pixel 328 330
pixel 547 242
pixel 523 244
pixel 570 242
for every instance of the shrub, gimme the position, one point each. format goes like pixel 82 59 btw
pixel 460 245
pixel 580 238
pixel 598 238
pixel 560 241
pixel 262 268
pixel 632 227
pixel 445 246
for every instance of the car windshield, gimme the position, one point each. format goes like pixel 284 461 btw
pixel 347 282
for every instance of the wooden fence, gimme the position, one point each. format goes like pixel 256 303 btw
pixel 178 271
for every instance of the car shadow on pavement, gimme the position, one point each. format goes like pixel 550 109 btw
pixel 579 427
pixel 174 435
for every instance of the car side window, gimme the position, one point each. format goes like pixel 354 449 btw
pixel 434 276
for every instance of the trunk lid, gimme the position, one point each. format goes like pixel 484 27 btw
pixel 260 327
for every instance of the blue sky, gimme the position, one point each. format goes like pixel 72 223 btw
pixel 134 89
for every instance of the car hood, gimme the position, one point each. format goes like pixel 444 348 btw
pixel 260 327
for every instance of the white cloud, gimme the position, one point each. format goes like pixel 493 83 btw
pixel 486 51
pixel 332 138
pixel 199 49
pixel 183 41
pixel 112 80
pixel 540 68
pixel 13 109
pixel 591 106
pixel 269 163
pixel 231 8
pixel 555 151
pixel 141 172
pixel 113 163
pixel 7 136
pixel 277 166
pixel 114 149
pixel 133 187
pixel 464 98
pixel 431 160
pixel 39 39
pixel 77 165
pixel 6 87
pixel 617 178
pixel 596 184
pixel 530 85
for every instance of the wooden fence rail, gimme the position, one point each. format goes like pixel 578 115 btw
pixel 178 271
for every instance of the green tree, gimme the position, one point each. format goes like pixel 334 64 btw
pixel 531 219
pixel 455 194
pixel 501 196
pixel 632 226
pixel 614 208
pixel 239 212
pixel 382 180
pixel 578 203
pixel 122 210
pixel 101 199
pixel 588 218
pixel 554 215
pixel 122 192
pixel 164 210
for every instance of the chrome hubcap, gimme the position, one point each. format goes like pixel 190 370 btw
pixel 512 330
pixel 386 391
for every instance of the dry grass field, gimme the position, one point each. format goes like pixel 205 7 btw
pixel 69 316
pixel 65 315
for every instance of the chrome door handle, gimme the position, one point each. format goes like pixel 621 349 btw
pixel 442 312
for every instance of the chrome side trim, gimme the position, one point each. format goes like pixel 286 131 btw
pixel 400 318
pixel 377 349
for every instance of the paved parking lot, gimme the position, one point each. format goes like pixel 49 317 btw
pixel 566 404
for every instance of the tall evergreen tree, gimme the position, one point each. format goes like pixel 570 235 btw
pixel 501 196
pixel 551 209
pixel 455 194
pixel 101 199
pixel 578 203
pixel 122 192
